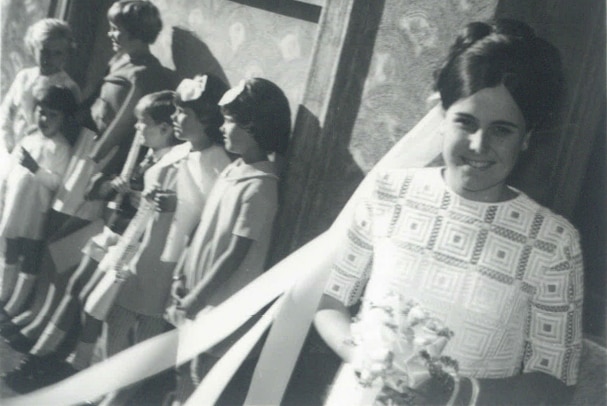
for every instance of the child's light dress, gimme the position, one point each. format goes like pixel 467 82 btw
pixel 27 196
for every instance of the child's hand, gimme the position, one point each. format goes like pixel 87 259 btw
pixel 165 201
pixel 174 315
pixel 134 198
pixel 120 185
pixel 190 305
pixel 178 290
pixel 26 160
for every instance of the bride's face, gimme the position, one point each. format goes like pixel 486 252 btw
pixel 483 136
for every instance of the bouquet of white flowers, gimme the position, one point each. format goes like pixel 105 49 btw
pixel 398 347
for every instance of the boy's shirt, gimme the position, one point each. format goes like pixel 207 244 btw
pixel 243 202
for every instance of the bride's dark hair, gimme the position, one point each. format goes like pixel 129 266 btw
pixel 504 52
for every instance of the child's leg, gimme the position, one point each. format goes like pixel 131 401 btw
pixel 31 250
pixel 184 385
pixel 49 287
pixel 83 354
pixel 42 314
pixel 148 327
pixel 9 273
pixel 120 322
pixel 68 311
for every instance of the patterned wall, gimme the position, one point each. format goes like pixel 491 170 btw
pixel 17 15
pixel 411 42
pixel 246 41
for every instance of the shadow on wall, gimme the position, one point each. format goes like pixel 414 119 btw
pixel 192 56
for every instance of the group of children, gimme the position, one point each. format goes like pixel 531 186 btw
pixel 196 193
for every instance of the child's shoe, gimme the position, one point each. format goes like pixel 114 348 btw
pixel 19 342
pixel 8 329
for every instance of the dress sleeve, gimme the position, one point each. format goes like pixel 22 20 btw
pixel 554 340
pixel 258 208
pixel 122 98
pixel 51 175
pixel 352 266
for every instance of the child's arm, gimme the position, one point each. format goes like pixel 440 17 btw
pixel 225 266
pixel 125 96
pixel 51 176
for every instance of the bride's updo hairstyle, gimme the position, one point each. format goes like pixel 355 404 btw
pixel 504 52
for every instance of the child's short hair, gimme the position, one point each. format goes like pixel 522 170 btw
pixel 46 29
pixel 201 94
pixel 140 18
pixel 62 99
pixel 159 106
pixel 262 108
pixel 56 98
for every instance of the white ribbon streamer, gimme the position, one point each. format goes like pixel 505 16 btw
pixel 219 376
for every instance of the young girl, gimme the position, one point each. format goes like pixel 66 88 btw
pixel 194 167
pixel 229 247
pixel 37 164
pixel 50 41
pixel 503 273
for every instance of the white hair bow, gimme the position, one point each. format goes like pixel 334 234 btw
pixel 191 89
pixel 229 96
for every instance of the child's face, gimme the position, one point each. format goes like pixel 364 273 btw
pixel 49 121
pixel 155 136
pixel 121 39
pixel 186 125
pixel 237 139
pixel 52 55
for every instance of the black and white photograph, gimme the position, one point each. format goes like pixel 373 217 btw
pixel 303 202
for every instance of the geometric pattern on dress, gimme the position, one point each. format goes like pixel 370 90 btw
pixel 500 254
pixel 549 327
pixel 442 282
pixel 554 289
pixel 344 288
pixel 553 231
pixel 355 262
pixel 537 264
pixel 388 257
pixel 489 298
pixel 516 216
pixel 468 208
pixel 424 193
pixel 509 344
pixel 415 227
pixel 473 341
pixel 456 240
pixel 547 359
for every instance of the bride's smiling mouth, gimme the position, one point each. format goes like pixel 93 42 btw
pixel 477 163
